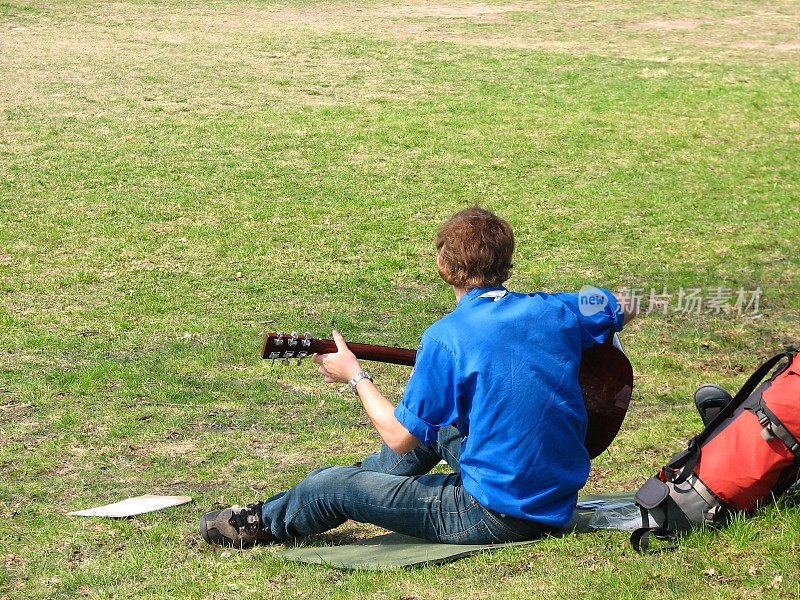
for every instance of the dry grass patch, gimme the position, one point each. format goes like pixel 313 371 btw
pixel 103 51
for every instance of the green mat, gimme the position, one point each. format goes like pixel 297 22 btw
pixel 394 550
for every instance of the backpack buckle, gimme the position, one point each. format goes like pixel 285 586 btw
pixel 765 422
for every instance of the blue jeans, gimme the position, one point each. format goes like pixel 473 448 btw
pixel 396 492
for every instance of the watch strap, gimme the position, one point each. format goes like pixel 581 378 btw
pixel 358 377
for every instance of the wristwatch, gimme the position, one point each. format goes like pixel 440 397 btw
pixel 354 381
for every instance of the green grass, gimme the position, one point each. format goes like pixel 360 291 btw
pixel 177 179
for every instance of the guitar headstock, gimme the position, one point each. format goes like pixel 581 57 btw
pixel 289 346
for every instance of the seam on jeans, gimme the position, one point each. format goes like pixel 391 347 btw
pixel 469 506
pixel 401 458
pixel 452 456
pixel 494 535
pixel 462 534
pixel 499 524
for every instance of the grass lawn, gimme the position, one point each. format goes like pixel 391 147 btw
pixel 177 178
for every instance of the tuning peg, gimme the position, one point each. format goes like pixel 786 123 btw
pixel 307 337
pixel 293 340
pixel 279 338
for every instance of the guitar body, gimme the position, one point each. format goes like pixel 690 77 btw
pixel 605 377
pixel 606 380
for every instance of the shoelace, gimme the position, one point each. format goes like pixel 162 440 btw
pixel 246 518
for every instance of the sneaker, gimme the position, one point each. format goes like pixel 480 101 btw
pixel 710 399
pixel 236 526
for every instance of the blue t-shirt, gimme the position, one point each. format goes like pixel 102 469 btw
pixel 503 367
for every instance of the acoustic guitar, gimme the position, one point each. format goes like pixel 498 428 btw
pixel 605 377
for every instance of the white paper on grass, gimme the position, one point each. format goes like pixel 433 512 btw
pixel 133 506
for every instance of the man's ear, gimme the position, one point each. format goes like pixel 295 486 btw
pixel 439 261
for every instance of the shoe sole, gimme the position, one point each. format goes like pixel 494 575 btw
pixel 221 539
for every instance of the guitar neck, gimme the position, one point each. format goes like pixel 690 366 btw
pixel 605 377
pixel 395 356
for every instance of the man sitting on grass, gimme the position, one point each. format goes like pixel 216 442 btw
pixel 494 393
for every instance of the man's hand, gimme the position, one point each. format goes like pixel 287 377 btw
pixel 341 366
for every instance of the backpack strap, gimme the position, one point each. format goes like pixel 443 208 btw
pixel 640 539
pixel 679 469
pixel 774 428
pixel 652 494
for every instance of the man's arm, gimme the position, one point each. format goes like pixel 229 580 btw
pixel 629 306
pixel 341 367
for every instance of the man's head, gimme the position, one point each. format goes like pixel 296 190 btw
pixel 475 248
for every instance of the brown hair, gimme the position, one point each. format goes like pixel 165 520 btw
pixel 475 248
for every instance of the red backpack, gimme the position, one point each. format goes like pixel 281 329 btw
pixel 747 456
